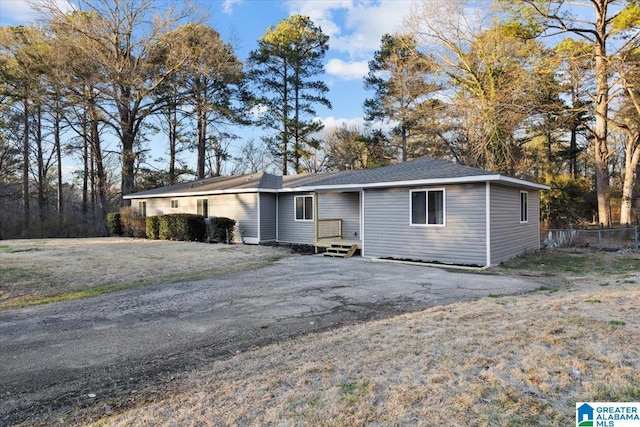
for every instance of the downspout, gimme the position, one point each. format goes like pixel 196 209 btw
pixel 259 220
pixel 315 221
pixel 362 223
pixel 488 221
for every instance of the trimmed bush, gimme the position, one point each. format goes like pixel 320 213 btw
pixel 113 224
pixel 153 227
pixel 133 225
pixel 222 226
pixel 187 227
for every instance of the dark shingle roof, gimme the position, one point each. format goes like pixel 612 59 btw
pixel 218 183
pixel 420 170
pixel 424 168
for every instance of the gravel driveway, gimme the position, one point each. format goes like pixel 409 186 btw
pixel 58 357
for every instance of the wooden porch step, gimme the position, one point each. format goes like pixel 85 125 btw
pixel 341 251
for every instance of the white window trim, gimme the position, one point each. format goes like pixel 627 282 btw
pixel 444 207
pixel 177 203
pixel 526 211
pixel 203 200
pixel 295 216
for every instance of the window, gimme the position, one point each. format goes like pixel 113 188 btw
pixel 524 217
pixel 142 209
pixel 427 207
pixel 174 204
pixel 304 208
pixel 203 207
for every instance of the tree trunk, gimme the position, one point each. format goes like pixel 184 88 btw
pixel 202 143
pixel 128 161
pixel 600 149
pixel 285 121
pixel 173 141
pixel 101 174
pixel 42 173
pixel 26 207
pixel 632 156
pixel 85 158
pixel 58 148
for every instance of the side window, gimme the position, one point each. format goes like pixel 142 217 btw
pixel 203 207
pixel 524 204
pixel 175 204
pixel 427 207
pixel 142 209
pixel 304 208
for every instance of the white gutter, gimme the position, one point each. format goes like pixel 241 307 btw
pixel 354 187
pixel 436 181
pixel 200 193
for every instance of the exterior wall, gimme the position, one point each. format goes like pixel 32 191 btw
pixel 345 206
pixel 267 217
pixel 510 238
pixel 290 230
pixel 462 240
pixel 242 207
pixel 162 205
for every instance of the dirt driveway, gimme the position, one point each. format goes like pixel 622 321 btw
pixel 63 356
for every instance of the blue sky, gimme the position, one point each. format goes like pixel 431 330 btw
pixel 354 27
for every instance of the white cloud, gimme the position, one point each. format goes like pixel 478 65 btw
pixel 354 26
pixel 227 7
pixel 347 70
pixel 331 123
pixel 20 12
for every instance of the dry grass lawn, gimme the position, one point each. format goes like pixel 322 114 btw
pixel 46 270
pixel 507 361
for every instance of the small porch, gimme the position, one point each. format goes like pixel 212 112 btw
pixel 329 235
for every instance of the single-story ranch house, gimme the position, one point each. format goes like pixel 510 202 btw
pixel 422 210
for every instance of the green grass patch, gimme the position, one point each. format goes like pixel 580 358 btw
pixel 7 249
pixel 352 391
pixel 617 323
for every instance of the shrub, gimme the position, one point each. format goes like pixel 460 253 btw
pixel 222 226
pixel 153 227
pixel 133 225
pixel 113 224
pixel 188 227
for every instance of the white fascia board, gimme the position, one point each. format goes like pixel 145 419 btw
pixel 421 182
pixel 201 193
pixel 523 183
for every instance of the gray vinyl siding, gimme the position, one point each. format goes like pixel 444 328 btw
pixel 242 207
pixel 388 233
pixel 345 206
pixel 290 230
pixel 510 238
pixel 267 217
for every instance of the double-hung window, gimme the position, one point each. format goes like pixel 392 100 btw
pixel 304 208
pixel 427 207
pixel 203 207
pixel 524 202
pixel 142 209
